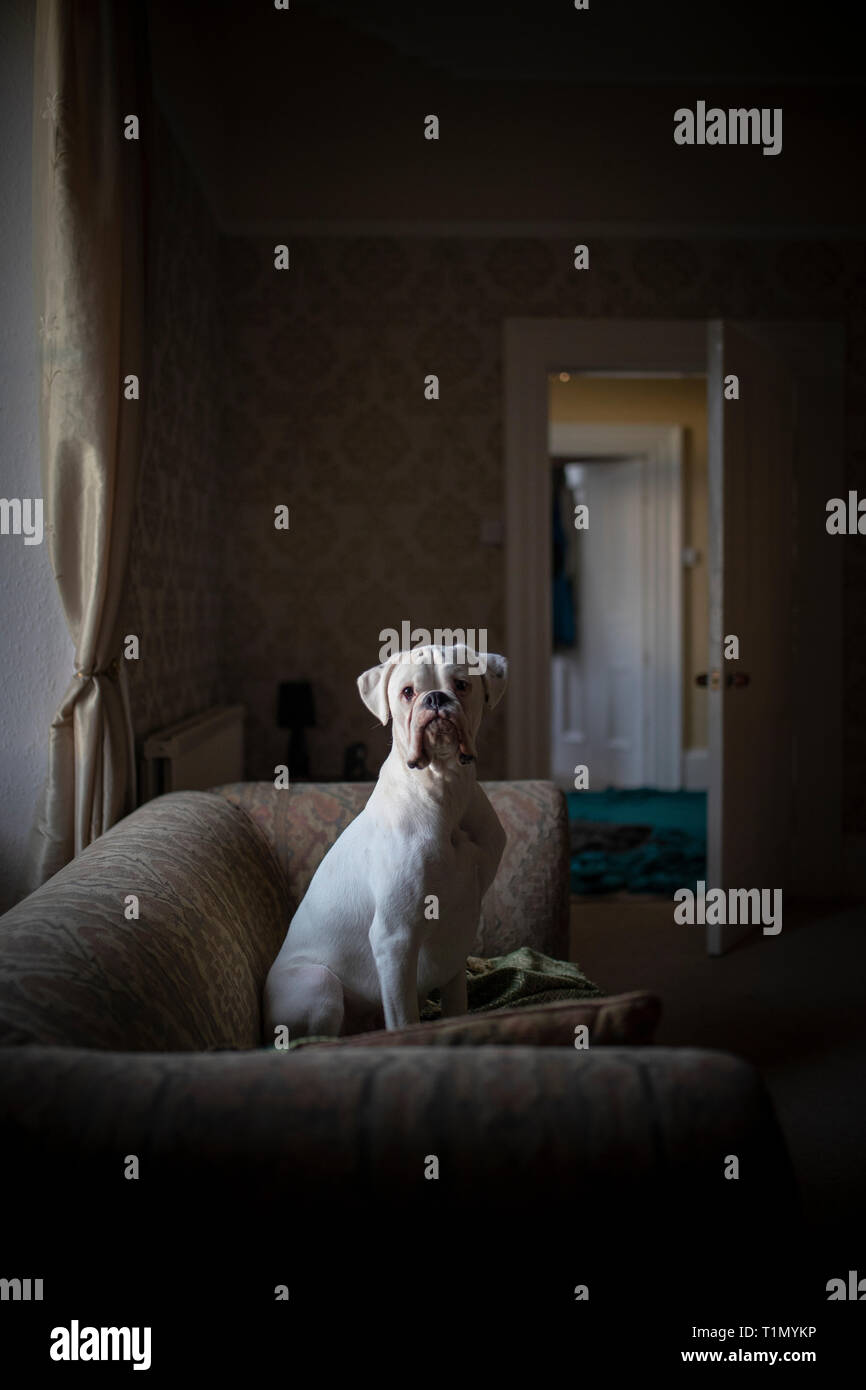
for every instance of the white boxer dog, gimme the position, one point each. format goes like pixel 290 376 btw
pixel 365 946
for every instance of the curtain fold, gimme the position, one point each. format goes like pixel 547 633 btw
pixel 90 75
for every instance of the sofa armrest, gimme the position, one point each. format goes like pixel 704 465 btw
pixel 184 971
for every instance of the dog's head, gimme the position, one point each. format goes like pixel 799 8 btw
pixel 436 697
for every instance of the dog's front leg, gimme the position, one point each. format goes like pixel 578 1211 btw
pixel 484 827
pixel 395 950
pixel 453 995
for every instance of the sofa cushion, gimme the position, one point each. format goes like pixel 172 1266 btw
pixel 187 974
pixel 620 1020
pixel 528 900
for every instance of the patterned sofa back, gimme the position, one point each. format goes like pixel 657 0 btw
pixel 527 904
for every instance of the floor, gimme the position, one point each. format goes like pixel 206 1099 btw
pixel 793 1004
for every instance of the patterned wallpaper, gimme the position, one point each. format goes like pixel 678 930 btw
pixel 177 586
pixel 325 411
pixel 320 406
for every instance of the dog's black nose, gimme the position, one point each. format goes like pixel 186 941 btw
pixel 436 699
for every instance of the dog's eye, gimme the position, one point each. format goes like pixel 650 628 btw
pixel 461 685
pixel 407 692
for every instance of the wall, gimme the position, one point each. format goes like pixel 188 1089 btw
pixel 177 582
pixel 584 136
pixel 325 411
pixel 593 400
pixel 36 653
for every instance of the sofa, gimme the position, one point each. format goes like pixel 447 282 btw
pixel 130 1025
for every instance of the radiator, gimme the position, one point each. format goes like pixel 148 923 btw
pixel 196 753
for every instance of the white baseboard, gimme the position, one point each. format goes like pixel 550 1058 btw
pixel 696 767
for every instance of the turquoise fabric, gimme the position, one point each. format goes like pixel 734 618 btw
pixel 672 853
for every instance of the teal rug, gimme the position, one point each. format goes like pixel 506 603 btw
pixel 641 841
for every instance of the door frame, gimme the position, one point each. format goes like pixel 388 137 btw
pixel 815 352
pixel 533 348
pixel 660 448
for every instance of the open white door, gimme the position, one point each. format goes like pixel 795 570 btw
pixel 751 562
pixel 598 714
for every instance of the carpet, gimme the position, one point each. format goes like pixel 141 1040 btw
pixel 641 841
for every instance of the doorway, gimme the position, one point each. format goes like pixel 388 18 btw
pixel 774 404
pixel 618 683
pixel 598 709
pixel 629 616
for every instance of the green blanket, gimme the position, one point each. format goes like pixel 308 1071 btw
pixel 522 977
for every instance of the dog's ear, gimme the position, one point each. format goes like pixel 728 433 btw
pixel 373 685
pixel 495 678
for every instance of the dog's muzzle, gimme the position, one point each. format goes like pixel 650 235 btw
pixel 438 705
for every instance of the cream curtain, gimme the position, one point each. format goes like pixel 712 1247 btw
pixel 89 245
